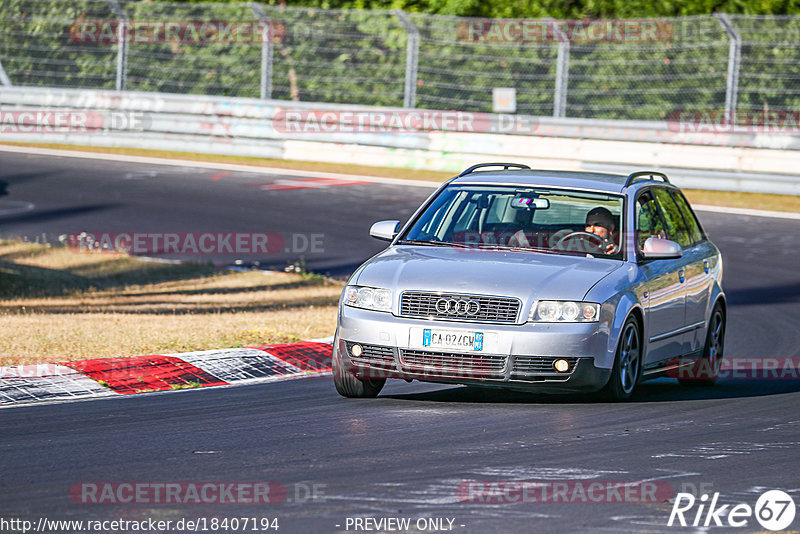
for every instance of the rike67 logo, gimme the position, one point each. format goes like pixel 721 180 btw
pixel 774 510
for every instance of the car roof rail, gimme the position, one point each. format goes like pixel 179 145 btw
pixel 636 176
pixel 505 166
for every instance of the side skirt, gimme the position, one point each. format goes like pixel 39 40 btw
pixel 670 365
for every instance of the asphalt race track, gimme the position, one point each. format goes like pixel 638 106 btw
pixel 405 453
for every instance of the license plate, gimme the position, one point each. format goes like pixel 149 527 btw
pixel 449 339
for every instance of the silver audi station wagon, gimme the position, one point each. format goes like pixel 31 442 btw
pixel 545 281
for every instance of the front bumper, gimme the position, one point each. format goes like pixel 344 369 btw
pixel 521 358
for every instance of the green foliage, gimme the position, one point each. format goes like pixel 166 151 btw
pixel 36 46
pixel 560 9
pixel 359 57
pixel 213 68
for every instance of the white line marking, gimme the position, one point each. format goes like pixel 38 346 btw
pixel 12 207
pixel 746 211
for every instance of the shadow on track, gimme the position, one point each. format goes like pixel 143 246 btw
pixel 775 294
pixel 659 390
pixel 55 214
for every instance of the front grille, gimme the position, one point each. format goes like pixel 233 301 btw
pixel 373 355
pixel 540 365
pixel 492 309
pixel 450 364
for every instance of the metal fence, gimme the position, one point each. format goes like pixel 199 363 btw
pixel 393 58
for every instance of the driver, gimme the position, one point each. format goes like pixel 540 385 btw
pixel 600 222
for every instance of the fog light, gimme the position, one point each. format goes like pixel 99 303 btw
pixel 562 366
pixel 356 350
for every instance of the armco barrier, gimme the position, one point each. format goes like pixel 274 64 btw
pixel 243 126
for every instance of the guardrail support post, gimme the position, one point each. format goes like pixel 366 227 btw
pixel 122 43
pixel 412 59
pixel 562 78
pixel 5 81
pixel 734 61
pixel 265 91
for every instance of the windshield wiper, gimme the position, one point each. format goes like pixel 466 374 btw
pixel 489 246
pixel 431 243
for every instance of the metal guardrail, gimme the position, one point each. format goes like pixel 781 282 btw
pixel 249 117
pixel 251 127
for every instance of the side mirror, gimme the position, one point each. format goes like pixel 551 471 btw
pixel 385 230
pixel 661 249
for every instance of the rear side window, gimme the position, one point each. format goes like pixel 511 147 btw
pixel 695 232
pixel 676 226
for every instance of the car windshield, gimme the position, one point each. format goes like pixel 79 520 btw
pixel 537 219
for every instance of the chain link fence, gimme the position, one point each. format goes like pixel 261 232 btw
pixel 643 70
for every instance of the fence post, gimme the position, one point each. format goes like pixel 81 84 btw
pixel 266 51
pixel 734 60
pixel 5 81
pixel 412 59
pixel 122 43
pixel 562 78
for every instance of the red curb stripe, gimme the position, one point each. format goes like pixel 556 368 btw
pixel 144 373
pixel 309 356
pixel 307 183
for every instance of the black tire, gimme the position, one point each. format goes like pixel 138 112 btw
pixel 706 371
pixel 350 386
pixel 627 364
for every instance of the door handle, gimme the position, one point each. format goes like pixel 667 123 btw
pixel 681 276
pixel 705 266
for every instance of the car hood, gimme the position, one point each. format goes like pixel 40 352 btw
pixel 526 275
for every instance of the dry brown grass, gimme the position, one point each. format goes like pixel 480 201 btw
pixel 734 199
pixel 60 305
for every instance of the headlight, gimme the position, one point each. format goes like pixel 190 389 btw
pixel 370 298
pixel 564 311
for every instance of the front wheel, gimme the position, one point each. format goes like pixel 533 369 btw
pixel 625 374
pixel 706 370
pixel 349 385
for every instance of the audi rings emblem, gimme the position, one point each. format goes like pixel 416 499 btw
pixel 457 307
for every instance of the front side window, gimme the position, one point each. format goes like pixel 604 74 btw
pixel 676 226
pixel 648 220
pixel 528 218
